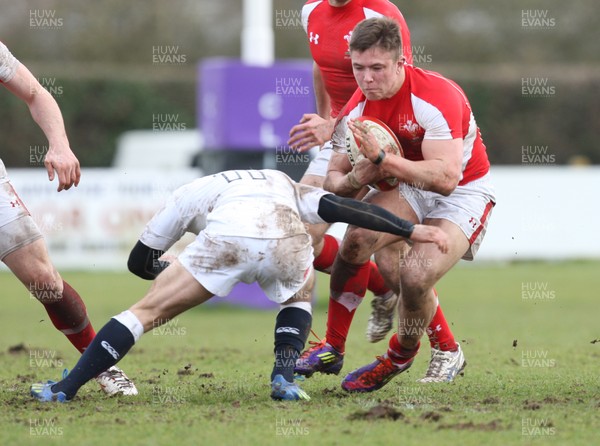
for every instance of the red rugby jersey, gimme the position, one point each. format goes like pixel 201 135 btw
pixel 329 28
pixel 427 106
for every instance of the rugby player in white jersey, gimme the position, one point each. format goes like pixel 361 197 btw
pixel 250 227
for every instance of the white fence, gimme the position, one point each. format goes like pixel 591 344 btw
pixel 95 225
pixel 543 212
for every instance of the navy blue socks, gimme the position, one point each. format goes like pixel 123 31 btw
pixel 291 331
pixel 111 343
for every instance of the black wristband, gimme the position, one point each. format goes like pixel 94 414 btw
pixel 379 158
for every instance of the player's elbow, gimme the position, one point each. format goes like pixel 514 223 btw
pixel 451 177
pixel 138 261
pixel 447 187
pixel 446 184
pixel 135 267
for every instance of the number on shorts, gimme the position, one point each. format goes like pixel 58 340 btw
pixel 234 175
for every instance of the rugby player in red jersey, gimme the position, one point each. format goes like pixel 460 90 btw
pixel 329 26
pixel 444 181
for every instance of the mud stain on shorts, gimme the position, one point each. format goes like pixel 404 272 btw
pixel 288 220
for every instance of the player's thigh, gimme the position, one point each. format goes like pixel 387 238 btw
pixel 392 201
pixel 29 260
pixel 304 294
pixel 18 232
pixel 287 269
pixel 173 291
pixel 425 264
pixel 359 241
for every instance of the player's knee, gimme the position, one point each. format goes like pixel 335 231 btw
pixel 357 245
pixel 414 284
pixel 317 232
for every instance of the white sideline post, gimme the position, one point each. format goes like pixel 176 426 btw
pixel 258 47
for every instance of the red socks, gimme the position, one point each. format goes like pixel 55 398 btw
pixel 69 315
pixel 440 335
pixel 398 354
pixel 324 261
pixel 376 283
pixel 330 249
pixel 346 294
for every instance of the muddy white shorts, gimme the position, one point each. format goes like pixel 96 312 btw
pixel 318 166
pixel 469 207
pixel 17 228
pixel 280 266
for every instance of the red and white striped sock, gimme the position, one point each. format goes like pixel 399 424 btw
pixel 398 354
pixel 69 315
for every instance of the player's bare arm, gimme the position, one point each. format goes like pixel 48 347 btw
pixel 314 128
pixel 323 101
pixel 439 171
pixel 341 177
pixel 59 160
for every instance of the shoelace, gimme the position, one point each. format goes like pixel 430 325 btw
pixel 315 335
pixel 380 369
pixel 119 378
pixel 315 344
pixel 436 364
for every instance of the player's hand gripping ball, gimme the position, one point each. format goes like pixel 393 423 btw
pixel 385 137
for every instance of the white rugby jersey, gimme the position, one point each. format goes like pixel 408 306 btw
pixel 8 64
pixel 8 68
pixel 242 203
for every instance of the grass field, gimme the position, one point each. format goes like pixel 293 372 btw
pixel 530 333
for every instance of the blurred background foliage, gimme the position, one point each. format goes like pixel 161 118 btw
pixel 99 65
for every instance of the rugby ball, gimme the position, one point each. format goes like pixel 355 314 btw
pixel 385 137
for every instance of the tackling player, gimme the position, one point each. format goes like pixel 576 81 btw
pixel 22 247
pixel 329 25
pixel 269 245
